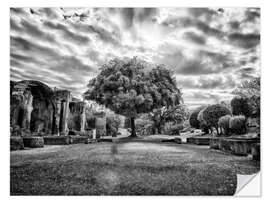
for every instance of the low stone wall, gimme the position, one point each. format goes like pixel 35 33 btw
pixel 199 140
pixel 33 142
pixel 79 139
pixel 16 143
pixel 237 146
pixel 256 151
pixel 57 140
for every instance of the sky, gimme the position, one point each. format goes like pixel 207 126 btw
pixel 210 50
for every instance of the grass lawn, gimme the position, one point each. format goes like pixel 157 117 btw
pixel 126 168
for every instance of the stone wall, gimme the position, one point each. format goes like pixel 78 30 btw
pixel 37 109
pixel 76 117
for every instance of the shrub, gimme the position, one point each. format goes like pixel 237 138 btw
pixel 240 106
pixel 238 124
pixel 224 123
pixel 33 142
pixel 144 126
pixel 112 125
pixel 212 114
pixel 193 119
pixel 171 128
pixel 16 143
pixel 203 124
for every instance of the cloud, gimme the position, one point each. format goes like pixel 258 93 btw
pixel 219 82
pixel 209 49
pixel 245 41
pixel 134 15
pixel 187 22
pixel 193 37
pixel 68 34
pixel 252 14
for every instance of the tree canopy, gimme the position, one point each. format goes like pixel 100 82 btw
pixel 212 114
pixel 193 119
pixel 131 86
pixel 240 106
pixel 176 114
pixel 250 89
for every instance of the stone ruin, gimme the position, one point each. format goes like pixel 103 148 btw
pixel 36 109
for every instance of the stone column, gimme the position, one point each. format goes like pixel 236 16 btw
pixel 57 116
pixel 65 117
pixel 82 119
pixel 27 110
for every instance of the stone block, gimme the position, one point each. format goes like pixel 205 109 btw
pixel 256 151
pixel 58 140
pixel 33 142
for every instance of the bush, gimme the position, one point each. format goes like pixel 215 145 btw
pixel 33 142
pixel 203 124
pixel 224 123
pixel 212 114
pixel 172 129
pixel 16 143
pixel 112 125
pixel 144 126
pixel 238 124
pixel 240 106
pixel 193 119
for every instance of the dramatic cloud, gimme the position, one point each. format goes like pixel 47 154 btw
pixel 211 50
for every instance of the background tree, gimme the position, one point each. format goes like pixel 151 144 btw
pixel 175 114
pixel 131 87
pixel 193 119
pixel 240 106
pixel 212 114
pixel 250 89
pixel 224 124
pixel 204 126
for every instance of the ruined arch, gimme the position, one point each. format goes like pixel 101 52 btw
pixel 32 105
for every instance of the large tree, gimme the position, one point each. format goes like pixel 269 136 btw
pixel 131 86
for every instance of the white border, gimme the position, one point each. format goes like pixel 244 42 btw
pixel 265 18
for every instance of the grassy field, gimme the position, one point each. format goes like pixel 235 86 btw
pixel 127 168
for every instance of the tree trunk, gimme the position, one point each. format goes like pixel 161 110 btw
pixel 159 129
pixel 132 125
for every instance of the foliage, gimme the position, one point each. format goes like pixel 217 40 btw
pixel 186 125
pixel 144 126
pixel 176 114
pixel 224 123
pixel 240 106
pixel 170 128
pixel 238 124
pixel 127 122
pixel 250 89
pixel 193 121
pixel 212 114
pixel 227 104
pixel 112 125
pixel 131 87
pixel 204 126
